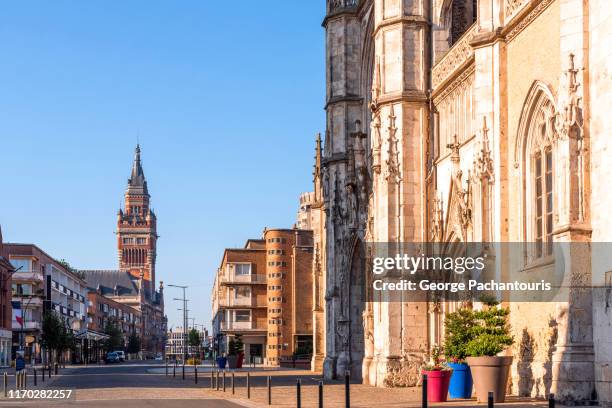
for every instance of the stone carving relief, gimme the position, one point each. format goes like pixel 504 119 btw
pixel 459 54
pixel 460 200
pixel 513 5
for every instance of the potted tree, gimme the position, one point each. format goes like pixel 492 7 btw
pixel 459 332
pixel 240 349
pixel 491 336
pixel 438 376
pixel 232 354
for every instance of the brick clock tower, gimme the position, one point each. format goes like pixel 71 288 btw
pixel 137 230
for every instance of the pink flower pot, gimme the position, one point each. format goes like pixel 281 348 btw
pixel 437 385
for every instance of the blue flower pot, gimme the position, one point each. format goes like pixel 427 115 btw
pixel 461 381
pixel 221 362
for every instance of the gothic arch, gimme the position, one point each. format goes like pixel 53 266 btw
pixel 536 128
pixel 356 303
pixel 454 17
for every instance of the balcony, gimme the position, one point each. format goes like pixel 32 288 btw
pixel 28 277
pixel 241 326
pixel 29 325
pixel 240 301
pixel 243 279
pixel 28 301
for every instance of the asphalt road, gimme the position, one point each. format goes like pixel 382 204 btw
pixel 124 385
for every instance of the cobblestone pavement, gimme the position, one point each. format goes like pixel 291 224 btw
pixel 146 384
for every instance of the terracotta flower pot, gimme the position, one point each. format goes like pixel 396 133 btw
pixel 490 373
pixel 437 385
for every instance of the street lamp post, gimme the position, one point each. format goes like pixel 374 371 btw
pixel 184 299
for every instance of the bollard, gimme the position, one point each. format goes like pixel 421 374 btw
pixel 298 390
pixel 269 390
pixel 166 368
pixel 5 384
pixel 56 367
pixel 35 380
pixel 42 373
pixel 233 388
pixel 49 370
pixel 223 380
pixel 347 390
pixel 320 394
pixel 16 380
pixel 183 370
pixel 174 371
pixel 551 400
pixel 248 386
pixel 424 395
pixel 196 373
pixel 212 379
pixel 490 400
pixel 217 382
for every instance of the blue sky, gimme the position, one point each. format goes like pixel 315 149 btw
pixel 225 101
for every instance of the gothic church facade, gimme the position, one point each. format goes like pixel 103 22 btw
pixel 458 121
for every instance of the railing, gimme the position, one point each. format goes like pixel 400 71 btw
pixel 28 276
pixel 243 279
pixel 454 59
pixel 251 325
pixel 241 301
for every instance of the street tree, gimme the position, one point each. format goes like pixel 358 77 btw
pixel 56 334
pixel 115 337
pixel 134 345
pixel 194 340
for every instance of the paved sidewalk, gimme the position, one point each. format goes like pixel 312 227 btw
pixel 284 391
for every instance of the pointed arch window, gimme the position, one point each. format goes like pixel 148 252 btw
pixel 536 134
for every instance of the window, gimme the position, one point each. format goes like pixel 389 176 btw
pixel 242 316
pixel 543 202
pixel 536 134
pixel 128 241
pixel 24 264
pixel 242 292
pixel 141 241
pixel 242 269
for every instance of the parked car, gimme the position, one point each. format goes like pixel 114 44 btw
pixel 159 357
pixel 121 355
pixel 111 357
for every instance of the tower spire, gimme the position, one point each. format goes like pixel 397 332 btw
pixel 137 183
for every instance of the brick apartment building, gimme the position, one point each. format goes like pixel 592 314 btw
pixel 263 292
pixel 41 283
pixel 101 310
pixel 6 334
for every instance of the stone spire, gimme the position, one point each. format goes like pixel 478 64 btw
pixel 317 171
pixel 137 184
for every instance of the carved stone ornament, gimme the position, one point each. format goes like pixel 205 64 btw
pixel 483 162
pixel 376 144
pixel 437 229
pixel 376 86
pixel 392 174
pixel 569 121
pixel 460 211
